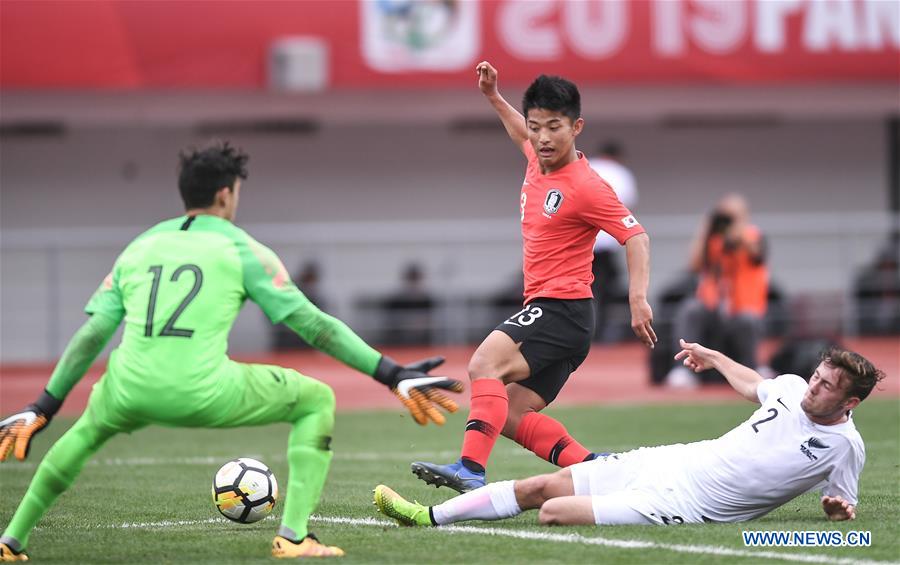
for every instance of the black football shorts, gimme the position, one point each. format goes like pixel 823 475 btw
pixel 555 337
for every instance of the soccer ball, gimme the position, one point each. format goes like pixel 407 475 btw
pixel 244 490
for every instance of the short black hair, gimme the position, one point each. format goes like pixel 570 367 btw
pixel 202 173
pixel 553 93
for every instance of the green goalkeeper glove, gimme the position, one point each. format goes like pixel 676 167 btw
pixel 418 390
pixel 17 430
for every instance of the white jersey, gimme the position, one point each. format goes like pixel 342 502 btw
pixel 621 180
pixel 773 457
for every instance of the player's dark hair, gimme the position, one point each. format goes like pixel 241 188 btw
pixel 862 375
pixel 202 173
pixel 553 93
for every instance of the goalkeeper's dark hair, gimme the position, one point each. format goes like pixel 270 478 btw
pixel 553 93
pixel 861 375
pixel 202 173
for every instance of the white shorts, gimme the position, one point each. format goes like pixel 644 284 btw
pixel 624 489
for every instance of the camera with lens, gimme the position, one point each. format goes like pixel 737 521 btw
pixel 720 222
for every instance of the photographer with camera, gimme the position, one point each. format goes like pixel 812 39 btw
pixel 729 255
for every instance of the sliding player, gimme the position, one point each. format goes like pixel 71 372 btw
pixel 801 438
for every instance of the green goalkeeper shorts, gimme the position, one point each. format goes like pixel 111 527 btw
pixel 238 394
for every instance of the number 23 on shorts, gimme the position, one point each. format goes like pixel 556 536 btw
pixel 525 317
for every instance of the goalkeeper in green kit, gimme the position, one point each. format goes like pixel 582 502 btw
pixel 179 287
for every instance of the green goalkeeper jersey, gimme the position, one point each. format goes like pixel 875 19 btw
pixel 179 287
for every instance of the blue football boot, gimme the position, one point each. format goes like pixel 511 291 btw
pixel 455 475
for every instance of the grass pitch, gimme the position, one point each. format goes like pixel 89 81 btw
pixel 146 497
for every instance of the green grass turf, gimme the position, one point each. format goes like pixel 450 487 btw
pixel 164 474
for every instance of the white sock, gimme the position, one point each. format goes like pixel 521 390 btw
pixel 491 502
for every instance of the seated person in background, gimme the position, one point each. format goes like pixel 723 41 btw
pixel 731 299
pixel 877 292
pixel 308 279
pixel 408 310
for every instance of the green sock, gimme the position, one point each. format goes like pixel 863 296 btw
pixel 309 457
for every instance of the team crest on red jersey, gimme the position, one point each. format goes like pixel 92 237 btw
pixel 553 201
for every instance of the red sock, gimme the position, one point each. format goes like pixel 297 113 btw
pixel 548 439
pixel 487 414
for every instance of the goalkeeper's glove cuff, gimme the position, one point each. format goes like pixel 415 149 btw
pixel 46 404
pixel 387 371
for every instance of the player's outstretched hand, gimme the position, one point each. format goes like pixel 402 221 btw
pixel 418 390
pixel 694 356
pixel 17 430
pixel 487 78
pixel 642 322
pixel 838 509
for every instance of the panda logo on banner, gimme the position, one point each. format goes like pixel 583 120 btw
pixel 552 201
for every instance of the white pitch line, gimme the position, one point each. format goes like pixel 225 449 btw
pixel 524 535
pixel 162 524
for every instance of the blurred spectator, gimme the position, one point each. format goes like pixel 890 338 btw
pixel 669 299
pixel 609 288
pixel 408 312
pixel 673 296
pixel 800 356
pixel 728 309
pixel 510 296
pixel 877 293
pixel 307 280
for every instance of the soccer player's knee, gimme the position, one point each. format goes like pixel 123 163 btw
pixel 476 367
pixel 90 436
pixel 482 367
pixel 326 400
pixel 532 492
pixel 552 512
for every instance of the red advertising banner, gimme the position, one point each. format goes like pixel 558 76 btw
pixel 136 44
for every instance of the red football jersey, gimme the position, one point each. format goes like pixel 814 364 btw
pixel 562 212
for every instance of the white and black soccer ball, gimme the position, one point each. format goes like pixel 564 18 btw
pixel 244 490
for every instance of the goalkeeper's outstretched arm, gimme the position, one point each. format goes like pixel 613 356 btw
pixel 17 430
pixel 412 384
pixel 332 336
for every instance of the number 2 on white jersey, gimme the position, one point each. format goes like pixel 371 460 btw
pixel 774 414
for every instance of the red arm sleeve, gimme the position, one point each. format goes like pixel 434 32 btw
pixel 603 209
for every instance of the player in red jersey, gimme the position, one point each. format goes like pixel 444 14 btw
pixel 523 364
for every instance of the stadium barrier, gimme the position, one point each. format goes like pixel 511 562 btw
pixel 48 275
